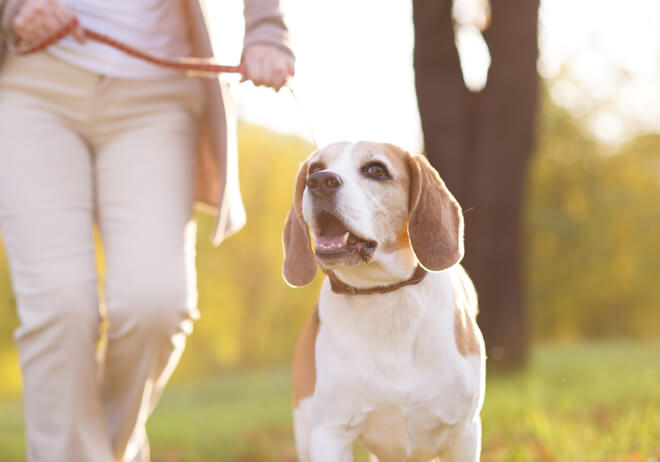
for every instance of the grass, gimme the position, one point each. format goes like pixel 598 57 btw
pixel 584 402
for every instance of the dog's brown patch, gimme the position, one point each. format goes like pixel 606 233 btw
pixel 466 331
pixel 403 239
pixel 304 359
pixel 399 160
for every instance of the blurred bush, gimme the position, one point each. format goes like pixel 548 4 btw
pixel 591 229
pixel 593 233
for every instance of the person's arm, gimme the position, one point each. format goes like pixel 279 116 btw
pixel 267 54
pixel 264 23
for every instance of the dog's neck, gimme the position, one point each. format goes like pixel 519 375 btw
pixel 398 267
pixel 339 287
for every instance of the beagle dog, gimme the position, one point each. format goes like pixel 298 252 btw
pixel 391 357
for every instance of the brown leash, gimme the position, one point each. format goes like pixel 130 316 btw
pixel 340 287
pixel 202 66
pixel 199 67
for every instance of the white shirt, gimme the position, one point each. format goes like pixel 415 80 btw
pixel 156 27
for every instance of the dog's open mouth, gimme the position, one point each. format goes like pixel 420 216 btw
pixel 333 239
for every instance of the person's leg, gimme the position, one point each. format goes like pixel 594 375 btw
pixel 46 223
pixel 144 171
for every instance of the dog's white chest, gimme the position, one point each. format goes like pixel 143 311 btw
pixel 396 378
pixel 405 434
pixel 418 424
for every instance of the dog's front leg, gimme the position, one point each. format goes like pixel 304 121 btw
pixel 331 443
pixel 467 445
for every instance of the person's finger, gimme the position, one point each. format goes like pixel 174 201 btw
pixel 63 13
pixel 48 24
pixel 65 16
pixel 282 69
pixel 291 64
pixel 279 78
pixel 39 19
pixel 267 65
pixel 23 26
pixel 256 72
pixel 35 22
pixel 244 69
pixel 80 35
pixel 268 75
pixel 29 34
pixel 21 19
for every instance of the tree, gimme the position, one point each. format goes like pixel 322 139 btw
pixel 481 144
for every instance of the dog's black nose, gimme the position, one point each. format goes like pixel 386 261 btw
pixel 323 183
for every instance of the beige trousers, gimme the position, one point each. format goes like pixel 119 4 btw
pixel 75 148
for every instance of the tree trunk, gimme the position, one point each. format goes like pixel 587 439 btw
pixel 481 144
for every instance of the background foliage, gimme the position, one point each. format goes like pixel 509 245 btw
pixel 591 232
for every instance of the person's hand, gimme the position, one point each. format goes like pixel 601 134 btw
pixel 267 65
pixel 39 19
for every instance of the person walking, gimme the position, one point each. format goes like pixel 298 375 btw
pixel 90 135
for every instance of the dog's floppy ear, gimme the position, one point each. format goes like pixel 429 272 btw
pixel 435 224
pixel 299 265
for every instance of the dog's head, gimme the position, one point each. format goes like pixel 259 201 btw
pixel 364 202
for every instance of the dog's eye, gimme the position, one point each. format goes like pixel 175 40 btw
pixel 315 167
pixel 376 170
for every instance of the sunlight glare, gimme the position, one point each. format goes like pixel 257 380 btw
pixel 355 77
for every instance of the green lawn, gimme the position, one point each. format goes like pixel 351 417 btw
pixel 586 402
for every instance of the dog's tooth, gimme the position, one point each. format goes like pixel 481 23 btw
pixel 345 239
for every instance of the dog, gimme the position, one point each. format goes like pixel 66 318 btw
pixel 391 357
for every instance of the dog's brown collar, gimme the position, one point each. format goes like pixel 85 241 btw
pixel 340 287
